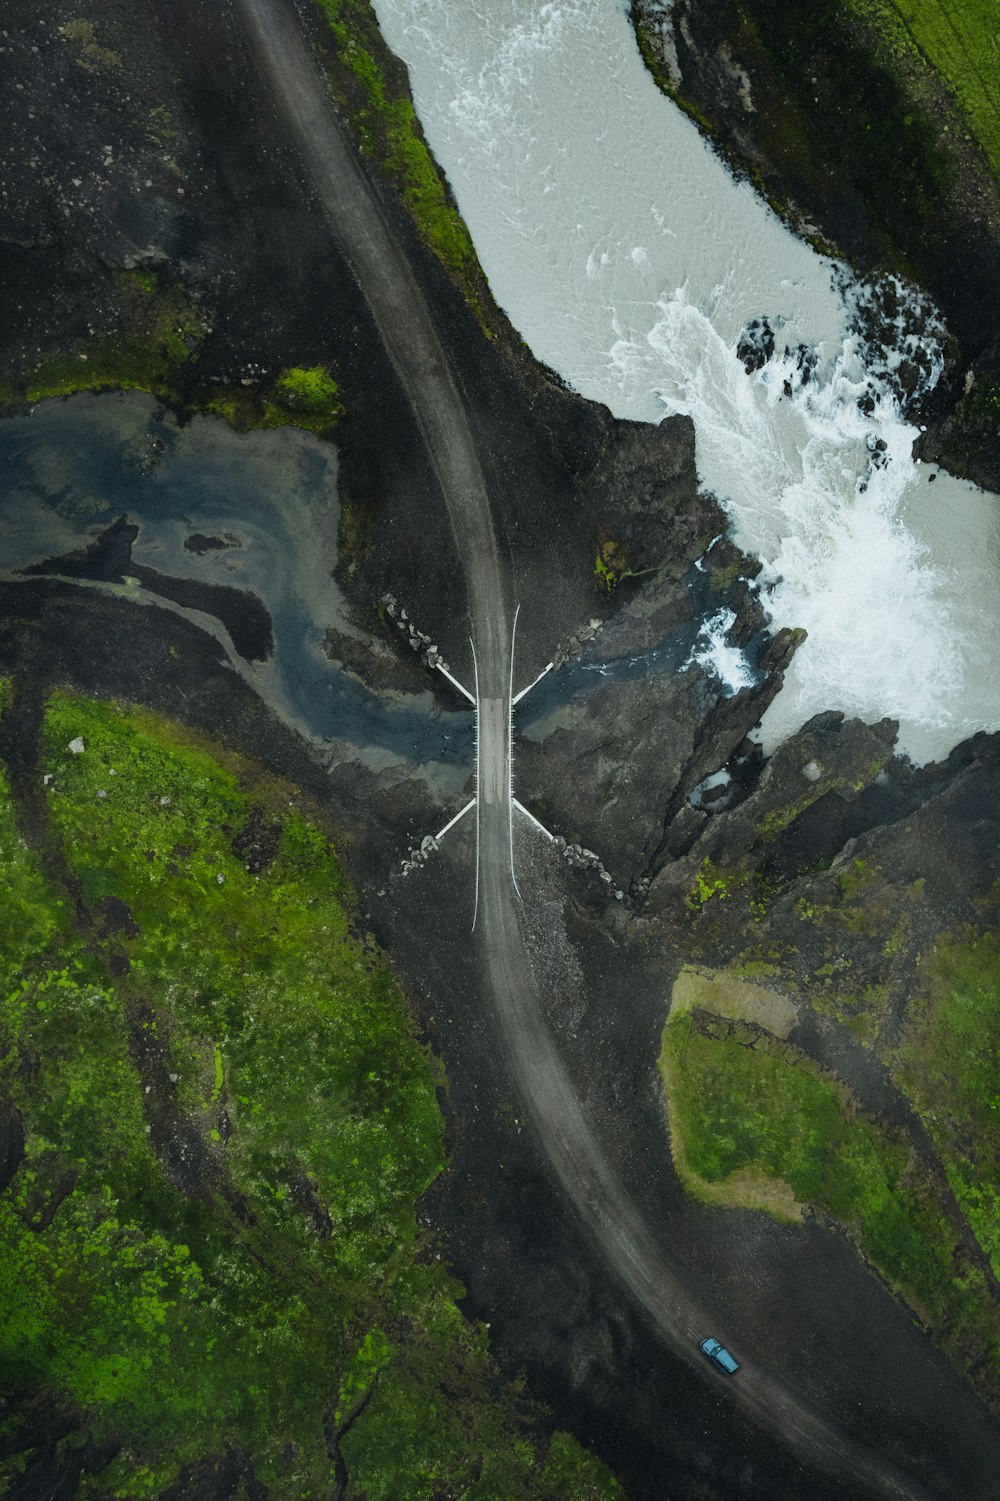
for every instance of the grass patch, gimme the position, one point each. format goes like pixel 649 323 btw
pixel 727 993
pixel 746 1109
pixel 211 1241
pixel 959 40
pixel 950 1065
pixel 159 328
pixel 159 332
pixel 309 399
pixel 844 101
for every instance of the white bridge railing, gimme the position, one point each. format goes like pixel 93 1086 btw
pixel 512 701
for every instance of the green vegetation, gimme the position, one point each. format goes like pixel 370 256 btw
pixel 980 407
pixel 950 1064
pixel 745 1107
pixel 370 85
pixel 727 992
pixel 712 881
pixel 864 1014
pixel 611 564
pixel 90 55
pixel 314 391
pixel 158 329
pixel 211 1241
pixel 959 39
pixel 844 102
pixel 309 399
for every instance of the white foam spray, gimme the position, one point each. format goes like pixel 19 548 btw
pixel 715 653
pixel 632 261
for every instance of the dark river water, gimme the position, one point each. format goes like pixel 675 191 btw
pixel 258 513
pixel 220 521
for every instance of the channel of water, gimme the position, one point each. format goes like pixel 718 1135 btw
pixel 71 468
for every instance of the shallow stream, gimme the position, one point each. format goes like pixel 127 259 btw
pixel 265 509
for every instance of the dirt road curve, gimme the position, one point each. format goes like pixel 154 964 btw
pixel 358 224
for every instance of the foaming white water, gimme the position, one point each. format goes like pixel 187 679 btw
pixel 631 261
pixel 715 653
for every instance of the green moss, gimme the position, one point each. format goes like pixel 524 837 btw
pixel 611 564
pixel 980 406
pixel 228 1122
pixel 712 881
pixel 779 819
pixel 157 331
pixel 859 877
pixel 374 94
pixel 355 529
pixel 574 1475
pixel 768 1110
pixel 958 39
pixel 146 281
pixel 950 1066
pixel 303 398
pixel 90 55
pixel 863 1015
pixel 314 390
pixel 151 349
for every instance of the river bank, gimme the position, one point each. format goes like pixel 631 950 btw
pixel 862 148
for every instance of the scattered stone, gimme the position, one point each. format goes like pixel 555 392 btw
pixel 77 746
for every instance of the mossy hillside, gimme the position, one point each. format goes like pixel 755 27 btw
pixel 949 1063
pixel 154 347
pixel 211 1241
pixel 371 86
pixel 156 328
pixel 844 101
pixel 958 38
pixel 742 1103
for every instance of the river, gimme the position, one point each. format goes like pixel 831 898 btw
pixel 631 261
pixel 255 512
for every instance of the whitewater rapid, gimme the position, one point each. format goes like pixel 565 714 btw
pixel 631 261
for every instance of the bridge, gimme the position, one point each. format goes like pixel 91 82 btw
pixel 635 1251
pixel 494 738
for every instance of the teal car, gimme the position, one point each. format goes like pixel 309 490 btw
pixel 719 1356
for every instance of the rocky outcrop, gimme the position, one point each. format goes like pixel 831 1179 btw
pixel 815 108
